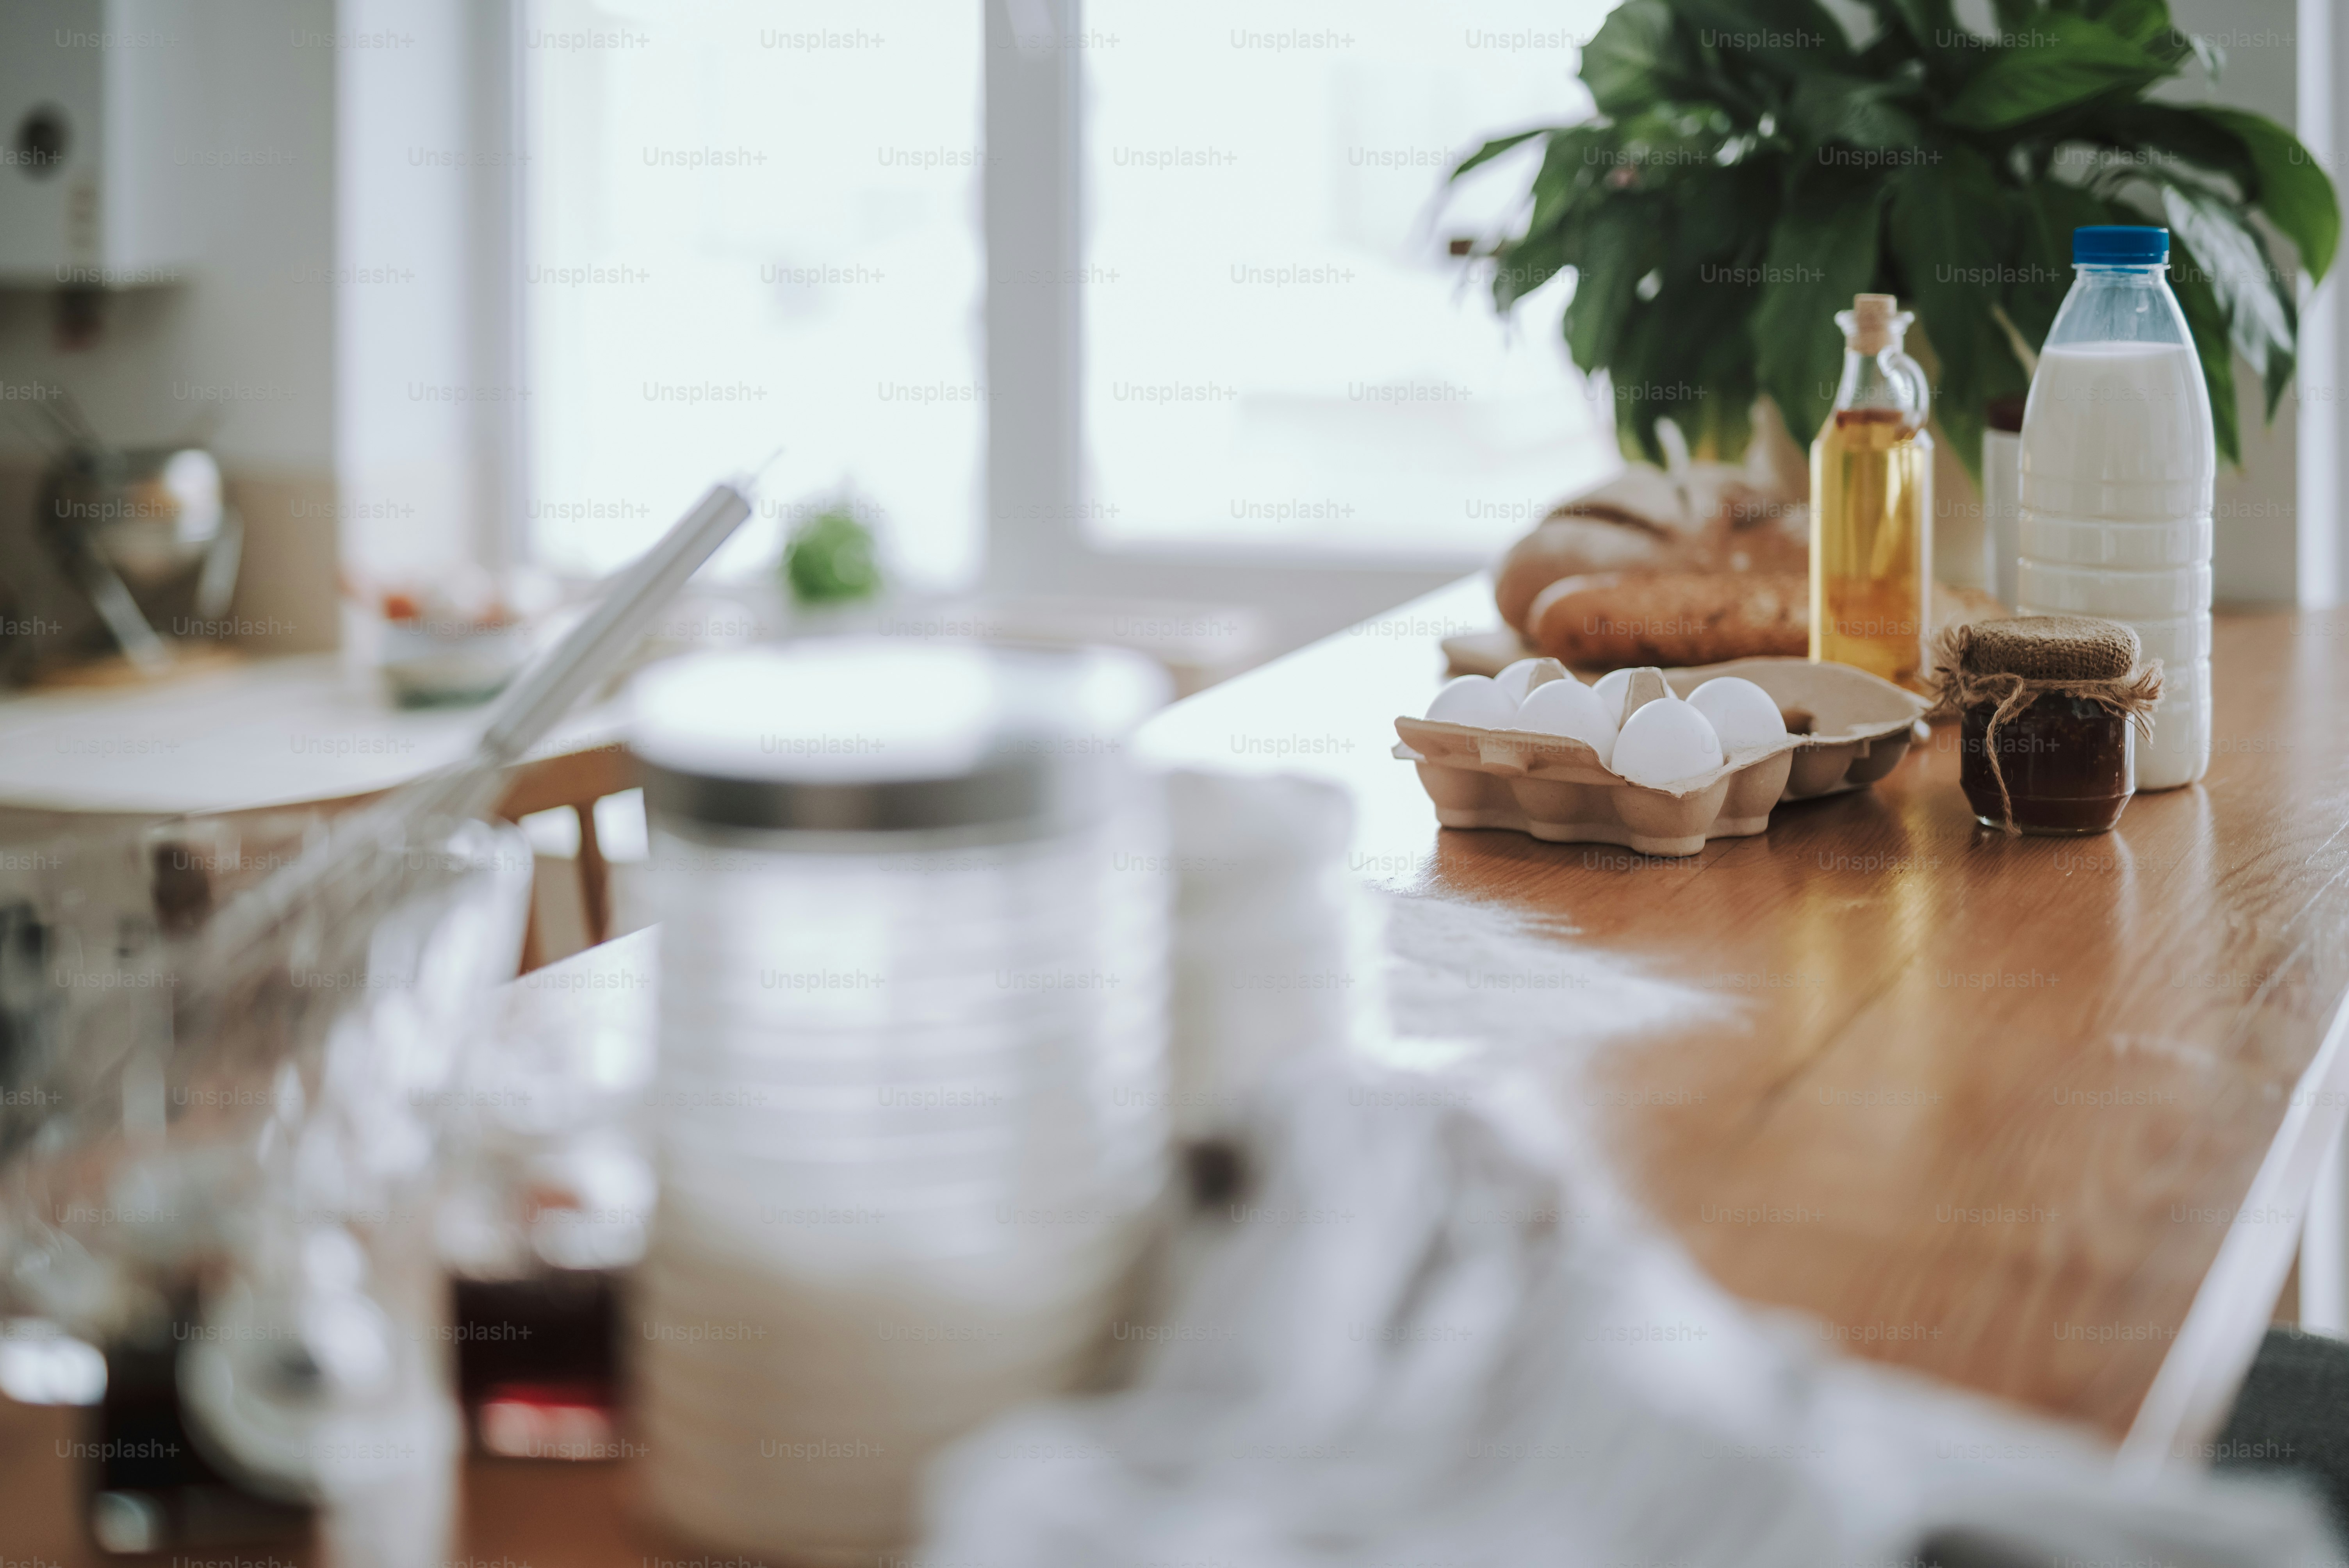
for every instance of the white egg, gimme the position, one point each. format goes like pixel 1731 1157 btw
pixel 1742 714
pixel 1568 707
pixel 1612 688
pixel 1474 700
pixel 1517 678
pixel 1667 742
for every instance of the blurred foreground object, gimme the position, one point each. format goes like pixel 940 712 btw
pixel 249 1118
pixel 1428 1333
pixel 1270 937
pixel 911 1102
pixel 225 1184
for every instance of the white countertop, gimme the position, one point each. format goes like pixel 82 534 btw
pixel 275 732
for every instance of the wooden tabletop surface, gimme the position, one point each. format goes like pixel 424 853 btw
pixel 2039 1117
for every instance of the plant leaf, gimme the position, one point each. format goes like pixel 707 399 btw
pixel 1750 171
pixel 2064 61
pixel 1570 173
pixel 1933 25
pixel 2039 268
pixel 2208 323
pixel 2162 129
pixel 2292 190
pixel 1686 353
pixel 2145 23
pixel 1494 149
pixel 1947 232
pixel 2258 315
pixel 1849 110
pixel 1680 359
pixel 1723 220
pixel 1522 266
pixel 2281 365
pixel 1822 251
pixel 1616 249
pixel 1796 36
pixel 1636 58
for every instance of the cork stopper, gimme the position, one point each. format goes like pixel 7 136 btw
pixel 1877 323
pixel 2048 648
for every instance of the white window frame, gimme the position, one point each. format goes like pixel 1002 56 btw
pixel 1036 507
pixel 1035 541
pixel 497 96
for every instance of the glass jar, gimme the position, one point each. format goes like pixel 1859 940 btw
pixel 232 1191
pixel 2067 762
pixel 2063 759
pixel 910 1105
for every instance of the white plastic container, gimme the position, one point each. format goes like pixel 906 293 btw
pixel 2181 746
pixel 911 1104
pixel 2121 547
pixel 2176 642
pixel 2119 461
pixel 2160 593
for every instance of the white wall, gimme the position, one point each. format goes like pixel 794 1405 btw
pixel 245 347
pixel 2323 574
pixel 329 338
pixel 404 389
pixel 2259 519
pixel 260 165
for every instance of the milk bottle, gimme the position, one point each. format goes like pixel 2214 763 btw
pixel 2118 461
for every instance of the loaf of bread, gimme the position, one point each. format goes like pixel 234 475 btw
pixel 1570 546
pixel 1613 619
pixel 1741 528
pixel 1641 523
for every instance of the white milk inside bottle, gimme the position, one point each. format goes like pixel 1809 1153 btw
pixel 2119 461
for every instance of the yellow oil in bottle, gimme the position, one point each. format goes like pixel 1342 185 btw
pixel 1871 547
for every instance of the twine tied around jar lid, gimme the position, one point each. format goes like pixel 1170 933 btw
pixel 2014 663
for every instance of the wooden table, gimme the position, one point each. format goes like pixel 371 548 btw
pixel 2037 1117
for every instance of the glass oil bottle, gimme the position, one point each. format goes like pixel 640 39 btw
pixel 1872 504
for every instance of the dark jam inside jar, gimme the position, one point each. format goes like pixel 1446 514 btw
pixel 2065 759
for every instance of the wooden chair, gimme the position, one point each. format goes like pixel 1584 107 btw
pixel 577 780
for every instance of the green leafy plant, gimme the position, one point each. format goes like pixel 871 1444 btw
pixel 1751 166
pixel 830 558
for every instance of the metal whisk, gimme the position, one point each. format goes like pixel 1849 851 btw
pixel 349 873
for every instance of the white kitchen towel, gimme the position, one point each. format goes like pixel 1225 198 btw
pixel 1421 1332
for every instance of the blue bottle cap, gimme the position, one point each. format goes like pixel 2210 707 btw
pixel 2119 245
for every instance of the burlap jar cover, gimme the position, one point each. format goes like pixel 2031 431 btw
pixel 2014 663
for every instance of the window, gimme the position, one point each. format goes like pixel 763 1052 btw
pixel 1226 328
pixel 1278 349
pixel 749 226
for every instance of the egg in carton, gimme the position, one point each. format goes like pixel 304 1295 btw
pixel 1846 728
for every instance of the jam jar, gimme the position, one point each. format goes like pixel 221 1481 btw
pixel 2067 761
pixel 2074 691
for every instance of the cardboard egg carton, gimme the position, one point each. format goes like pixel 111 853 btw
pixel 1852 729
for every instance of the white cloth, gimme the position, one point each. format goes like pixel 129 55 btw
pixel 1421 1335
pixel 1271 954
